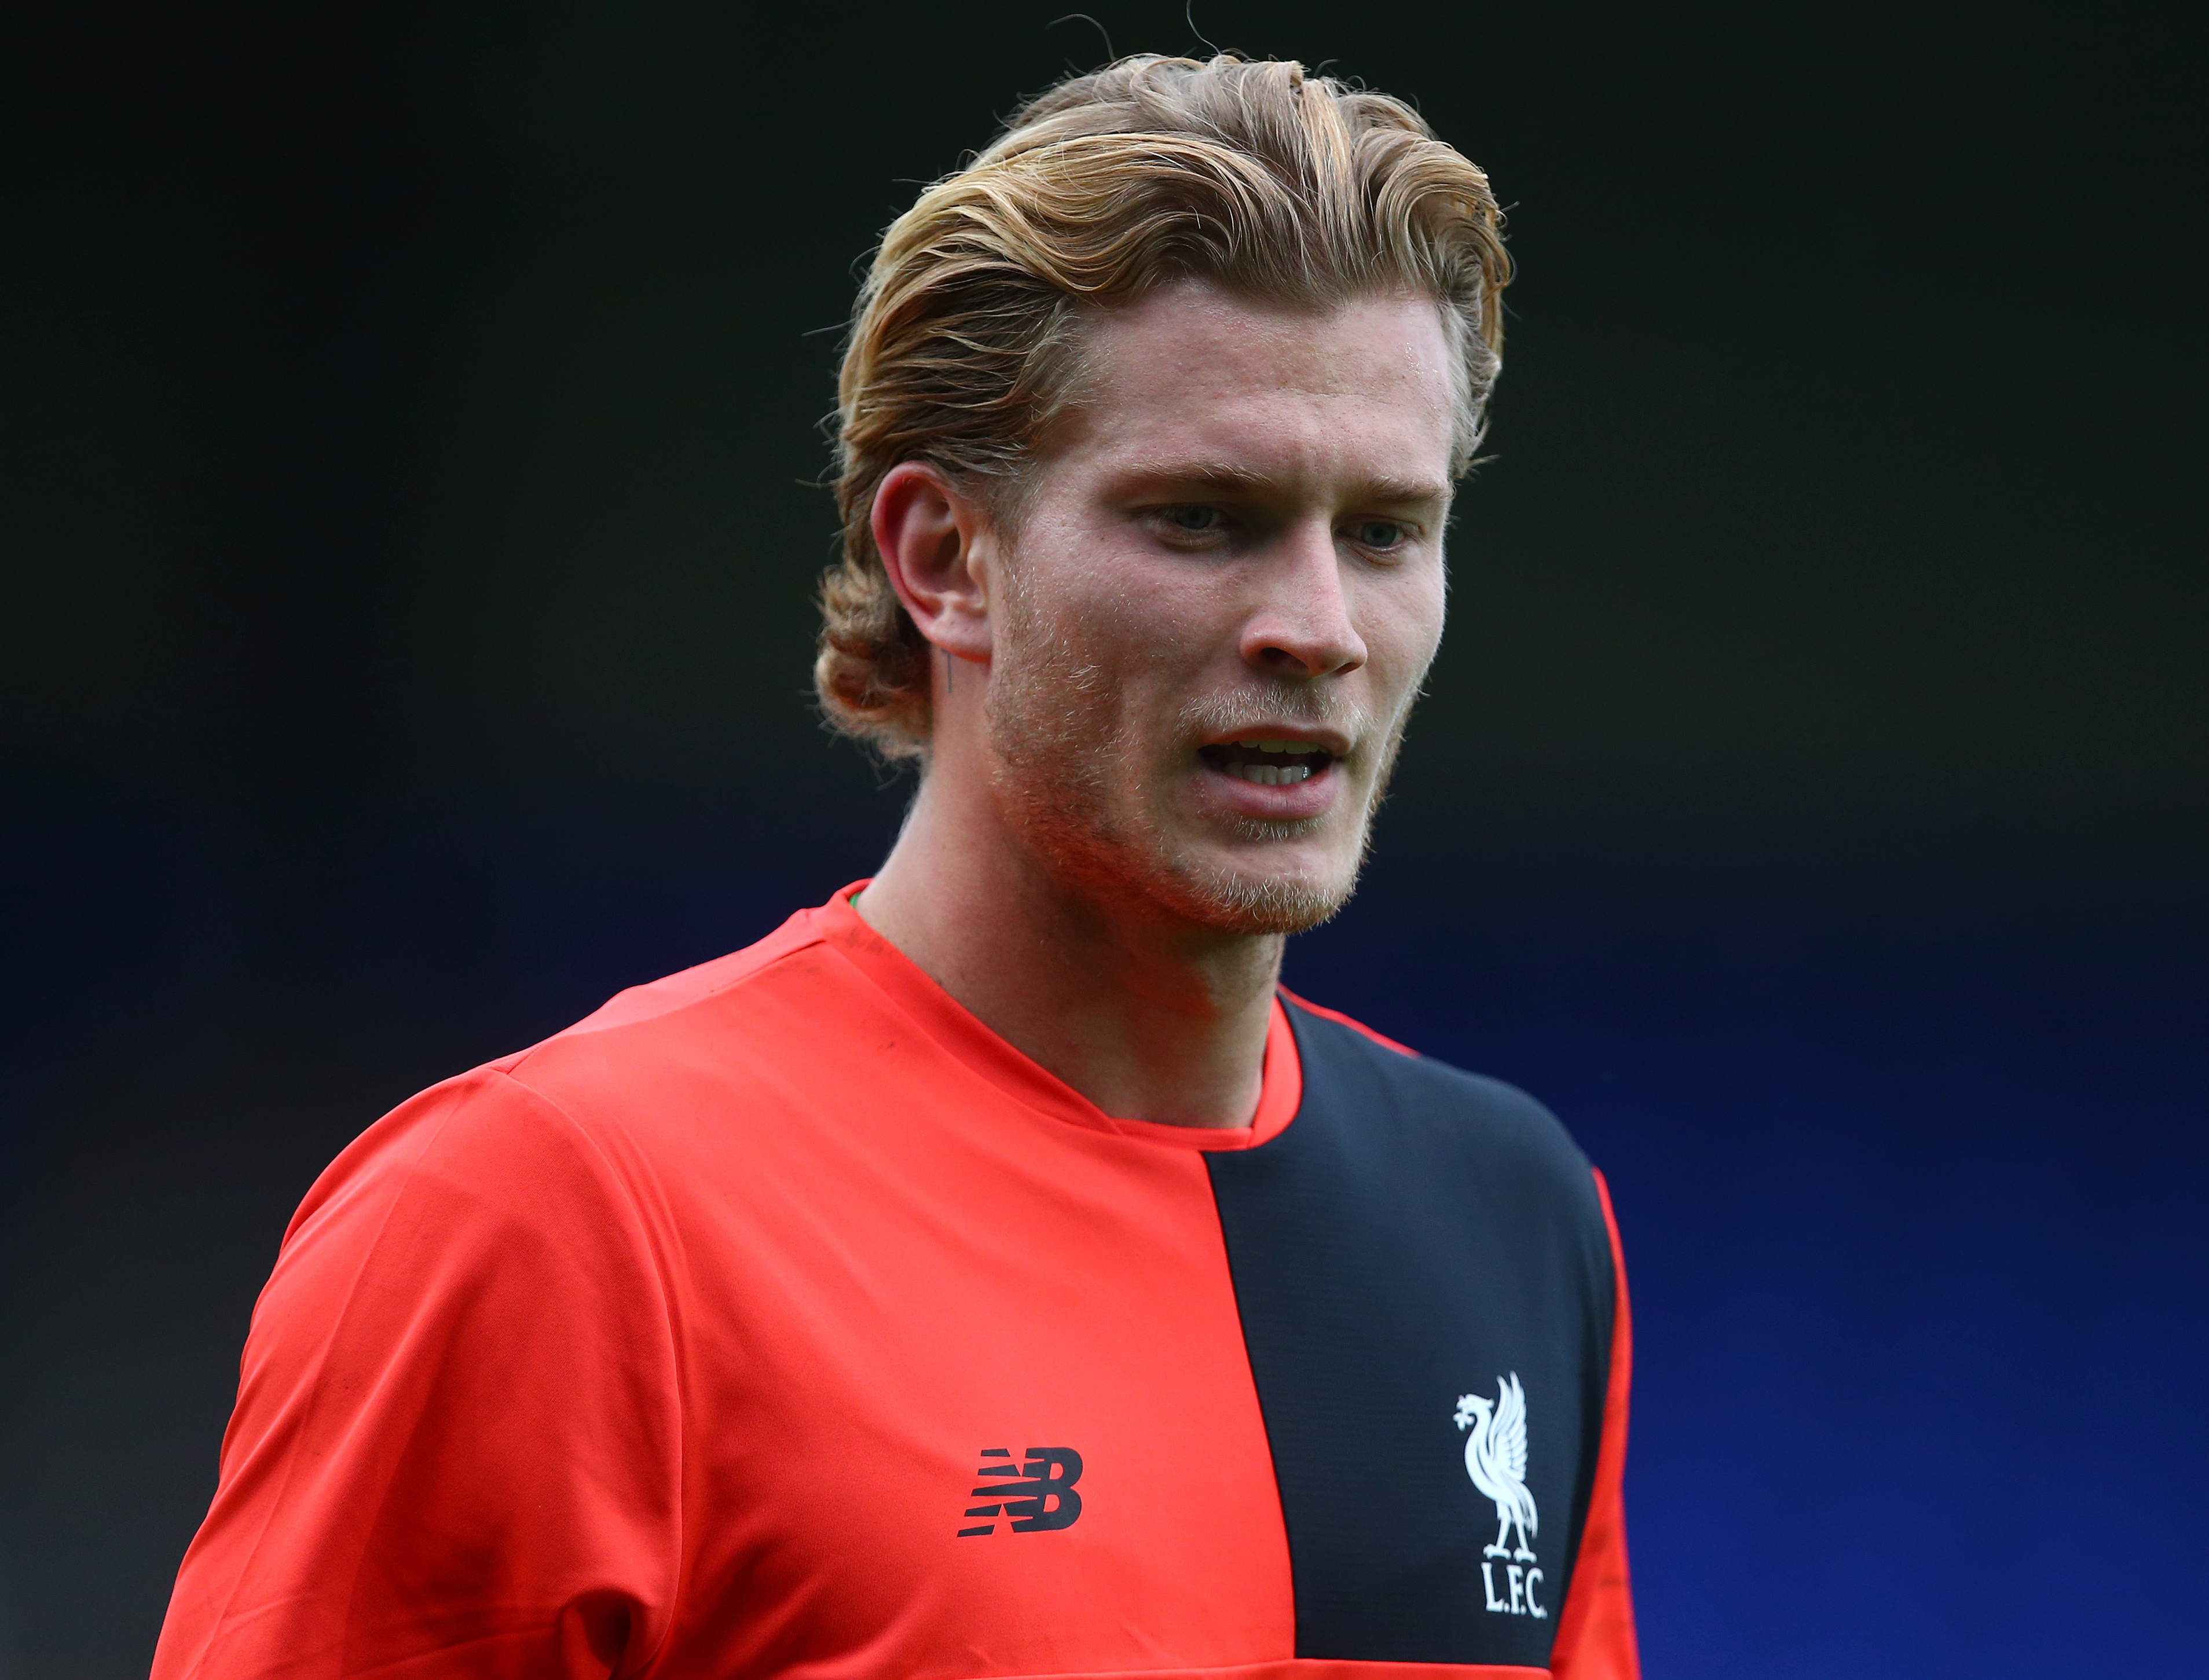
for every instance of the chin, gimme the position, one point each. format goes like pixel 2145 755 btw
pixel 1234 893
pixel 1248 877
pixel 1257 900
pixel 1265 906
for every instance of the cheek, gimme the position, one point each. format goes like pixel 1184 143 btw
pixel 1145 621
pixel 1405 628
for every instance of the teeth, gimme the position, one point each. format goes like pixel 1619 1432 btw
pixel 1278 747
pixel 1272 775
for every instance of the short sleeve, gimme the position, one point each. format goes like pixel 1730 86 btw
pixel 1595 1633
pixel 455 1448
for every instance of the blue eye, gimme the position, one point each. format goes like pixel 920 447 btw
pixel 1194 518
pixel 1380 533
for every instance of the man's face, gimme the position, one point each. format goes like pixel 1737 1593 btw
pixel 1234 537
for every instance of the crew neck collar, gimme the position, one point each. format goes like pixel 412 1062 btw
pixel 963 1034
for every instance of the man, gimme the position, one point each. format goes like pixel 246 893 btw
pixel 992 1272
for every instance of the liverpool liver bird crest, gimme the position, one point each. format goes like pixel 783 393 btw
pixel 1495 1458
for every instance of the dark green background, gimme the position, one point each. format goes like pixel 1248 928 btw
pixel 411 423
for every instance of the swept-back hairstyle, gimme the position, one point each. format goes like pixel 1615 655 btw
pixel 1278 186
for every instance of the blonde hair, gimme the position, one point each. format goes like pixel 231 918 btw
pixel 1276 185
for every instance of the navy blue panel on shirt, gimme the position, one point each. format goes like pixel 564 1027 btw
pixel 1426 1288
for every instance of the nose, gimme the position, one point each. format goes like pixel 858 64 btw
pixel 1303 627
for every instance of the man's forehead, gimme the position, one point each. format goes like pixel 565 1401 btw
pixel 1201 334
pixel 1196 384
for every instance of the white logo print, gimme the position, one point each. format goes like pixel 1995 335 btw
pixel 1495 1458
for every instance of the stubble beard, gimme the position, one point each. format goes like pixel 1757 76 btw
pixel 1082 805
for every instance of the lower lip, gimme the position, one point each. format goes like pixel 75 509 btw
pixel 1285 802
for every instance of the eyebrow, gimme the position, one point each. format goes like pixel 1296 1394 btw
pixel 1228 475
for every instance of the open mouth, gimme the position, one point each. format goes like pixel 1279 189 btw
pixel 1270 764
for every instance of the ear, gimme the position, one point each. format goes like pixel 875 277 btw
pixel 934 542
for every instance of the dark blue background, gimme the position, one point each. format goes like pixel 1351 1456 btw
pixel 404 645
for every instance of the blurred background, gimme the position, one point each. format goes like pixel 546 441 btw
pixel 412 416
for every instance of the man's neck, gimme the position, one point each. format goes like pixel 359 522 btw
pixel 1149 1019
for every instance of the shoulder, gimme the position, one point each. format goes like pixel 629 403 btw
pixel 571 1118
pixel 480 1152
pixel 732 1036
pixel 668 1003
pixel 1419 1107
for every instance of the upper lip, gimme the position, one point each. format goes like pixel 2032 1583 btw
pixel 1330 742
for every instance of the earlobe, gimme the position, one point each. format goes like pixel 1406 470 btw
pixel 932 538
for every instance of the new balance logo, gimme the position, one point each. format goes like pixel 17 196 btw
pixel 1036 1495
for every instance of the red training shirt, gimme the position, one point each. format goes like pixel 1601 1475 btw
pixel 780 1319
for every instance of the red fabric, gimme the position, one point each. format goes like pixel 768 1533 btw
pixel 1595 1630
pixel 668 1347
